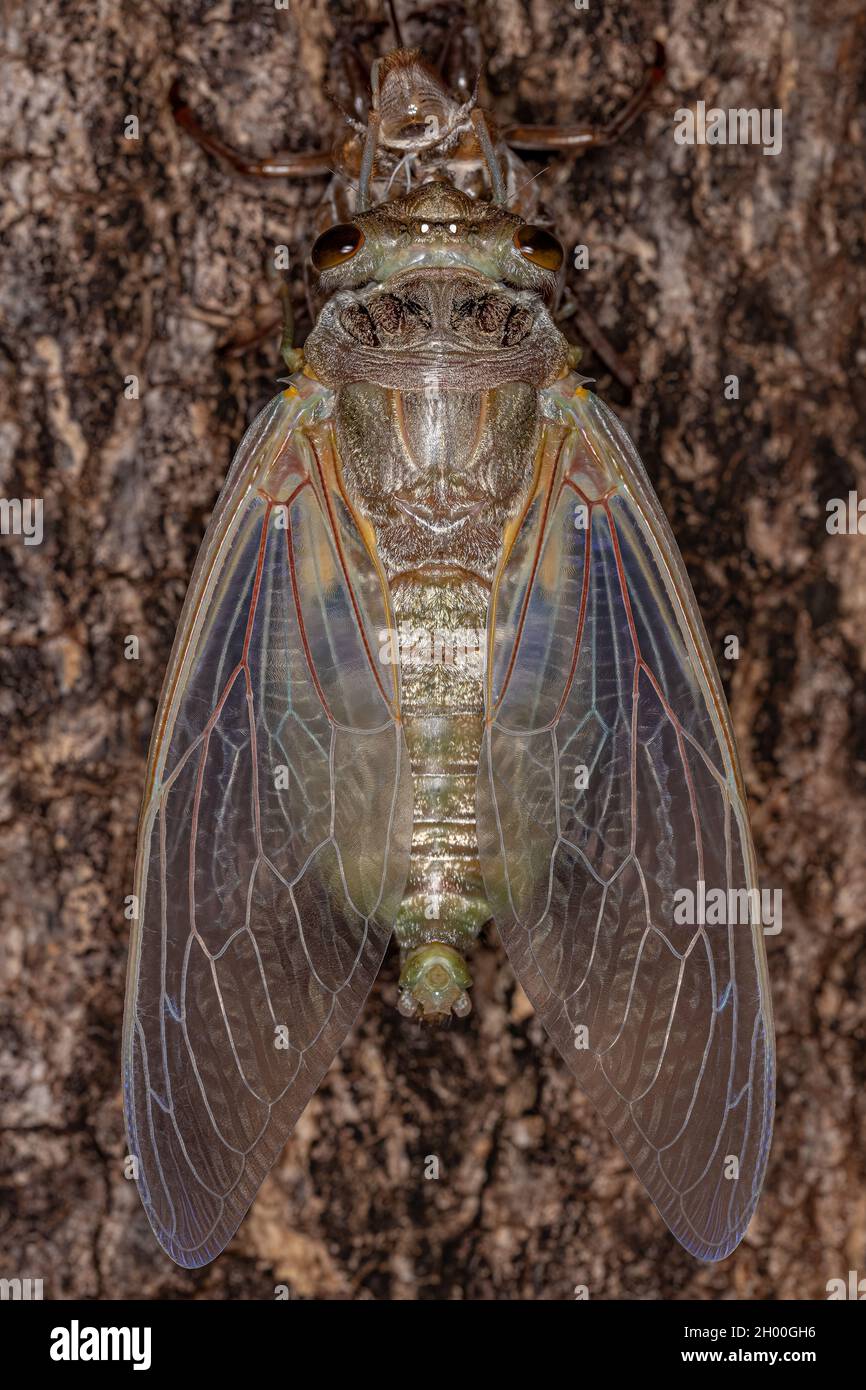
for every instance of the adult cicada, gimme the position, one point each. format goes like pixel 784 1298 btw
pixel 440 663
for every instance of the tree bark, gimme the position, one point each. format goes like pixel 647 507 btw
pixel 145 258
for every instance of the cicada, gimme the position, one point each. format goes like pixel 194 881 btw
pixel 439 665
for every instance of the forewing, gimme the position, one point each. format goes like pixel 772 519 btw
pixel 264 902
pixel 609 784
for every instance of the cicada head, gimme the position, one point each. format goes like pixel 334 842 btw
pixel 433 984
pixel 436 289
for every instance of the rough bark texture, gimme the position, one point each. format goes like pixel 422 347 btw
pixel 145 257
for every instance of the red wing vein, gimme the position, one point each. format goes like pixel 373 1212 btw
pixel 258 935
pixel 663 1019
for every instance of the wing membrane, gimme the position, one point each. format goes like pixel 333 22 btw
pixel 265 907
pixel 608 785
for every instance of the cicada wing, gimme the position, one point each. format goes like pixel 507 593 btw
pixel 265 903
pixel 610 804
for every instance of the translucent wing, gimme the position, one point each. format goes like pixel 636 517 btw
pixel 265 905
pixel 608 785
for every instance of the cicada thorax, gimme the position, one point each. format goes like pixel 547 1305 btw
pixel 436 337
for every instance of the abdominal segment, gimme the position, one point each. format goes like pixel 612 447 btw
pixel 438 476
pixel 440 627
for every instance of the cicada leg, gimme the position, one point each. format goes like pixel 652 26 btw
pixel 485 144
pixel 237 347
pixel 292 166
pixel 291 355
pixel 368 158
pixel 461 58
pixel 576 139
pixel 587 329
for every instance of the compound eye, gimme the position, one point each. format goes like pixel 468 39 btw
pixel 336 245
pixel 539 246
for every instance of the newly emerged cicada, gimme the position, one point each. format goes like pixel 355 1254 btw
pixel 440 664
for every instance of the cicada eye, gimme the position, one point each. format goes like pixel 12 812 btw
pixel 539 246
pixel 336 245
